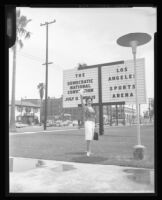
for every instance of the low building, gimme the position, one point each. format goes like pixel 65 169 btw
pixel 112 114
pixel 26 112
pixel 117 114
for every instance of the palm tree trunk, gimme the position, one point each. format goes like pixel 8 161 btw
pixel 12 119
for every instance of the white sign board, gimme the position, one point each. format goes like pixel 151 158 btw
pixel 74 80
pixel 118 82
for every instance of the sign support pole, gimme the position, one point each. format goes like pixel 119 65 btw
pixel 101 128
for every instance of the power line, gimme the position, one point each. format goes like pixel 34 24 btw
pixel 31 58
pixel 31 55
pixel 37 59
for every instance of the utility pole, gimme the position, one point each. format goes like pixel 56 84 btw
pixel 46 89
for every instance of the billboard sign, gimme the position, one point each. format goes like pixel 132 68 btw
pixel 74 80
pixel 118 82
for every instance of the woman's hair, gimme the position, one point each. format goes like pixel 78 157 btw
pixel 88 98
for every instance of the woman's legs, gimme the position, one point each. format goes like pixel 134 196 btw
pixel 89 132
pixel 88 147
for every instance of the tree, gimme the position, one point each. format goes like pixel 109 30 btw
pixel 41 88
pixel 80 65
pixel 21 32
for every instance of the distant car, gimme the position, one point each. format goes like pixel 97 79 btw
pixel 65 123
pixel 54 124
pixel 75 123
pixel 58 123
pixel 50 123
pixel 20 125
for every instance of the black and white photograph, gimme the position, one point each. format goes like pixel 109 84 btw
pixel 81 100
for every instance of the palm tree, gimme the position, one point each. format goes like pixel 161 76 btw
pixel 41 88
pixel 21 32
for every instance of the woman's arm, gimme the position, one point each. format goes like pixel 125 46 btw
pixel 83 106
pixel 81 98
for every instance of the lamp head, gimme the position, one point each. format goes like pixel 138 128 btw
pixel 134 39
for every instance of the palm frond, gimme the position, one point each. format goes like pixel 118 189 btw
pixel 29 20
pixel 23 21
pixel 27 35
pixel 40 87
pixel 21 31
pixel 20 43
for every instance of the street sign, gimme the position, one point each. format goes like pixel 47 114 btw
pixel 74 80
pixel 118 82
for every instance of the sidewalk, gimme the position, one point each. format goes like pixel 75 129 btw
pixel 43 131
pixel 49 176
pixel 38 129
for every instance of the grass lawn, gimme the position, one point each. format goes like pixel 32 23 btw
pixel 114 147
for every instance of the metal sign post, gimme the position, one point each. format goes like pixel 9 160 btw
pixel 101 128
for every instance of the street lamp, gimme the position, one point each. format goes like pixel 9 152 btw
pixel 133 40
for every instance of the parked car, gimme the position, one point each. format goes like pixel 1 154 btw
pixel 75 123
pixel 65 123
pixel 49 123
pixel 58 123
pixel 20 125
pixel 54 124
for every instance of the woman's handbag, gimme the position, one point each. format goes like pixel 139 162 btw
pixel 95 137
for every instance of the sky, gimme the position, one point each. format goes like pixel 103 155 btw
pixel 79 35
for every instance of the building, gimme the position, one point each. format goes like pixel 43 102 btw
pixel 26 112
pixel 112 114
pixel 117 114
pixel 33 101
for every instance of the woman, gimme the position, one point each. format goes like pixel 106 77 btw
pixel 89 118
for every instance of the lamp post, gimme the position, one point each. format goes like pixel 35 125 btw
pixel 133 40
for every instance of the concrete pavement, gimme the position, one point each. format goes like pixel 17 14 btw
pixel 48 176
